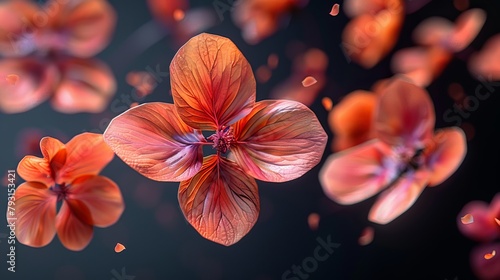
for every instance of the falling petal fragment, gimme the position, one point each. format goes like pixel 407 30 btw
pixel 119 247
pixel 467 219
pixel 366 236
pixel 489 256
pixel 327 103
pixel 12 79
pixel 313 221
pixel 335 10
pixel 309 81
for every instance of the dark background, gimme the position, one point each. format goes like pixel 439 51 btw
pixel 423 243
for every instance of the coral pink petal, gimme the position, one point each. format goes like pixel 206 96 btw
pixel 484 227
pixel 486 268
pixel 35 169
pixel 87 85
pixel 404 115
pixel 280 140
pixel 88 26
pixel 221 90
pixel 221 202
pixel 74 225
pixel 448 153
pixel 433 31
pixel 36 81
pixel 101 196
pixel 35 210
pixel 398 198
pixel 153 140
pixel 16 17
pixel 119 248
pixel 86 154
pixel 355 174
pixel 467 27
pixel 486 63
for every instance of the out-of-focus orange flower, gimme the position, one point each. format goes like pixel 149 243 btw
pixel 313 63
pixel 258 19
pixel 68 174
pixel 438 40
pixel 49 49
pixel 373 31
pixel 405 157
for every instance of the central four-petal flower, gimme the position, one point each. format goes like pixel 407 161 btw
pixel 213 88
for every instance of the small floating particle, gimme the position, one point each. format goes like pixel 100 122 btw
pixel 327 103
pixel 12 79
pixel 179 15
pixel 119 247
pixel 272 61
pixel 490 255
pixel 366 236
pixel 263 74
pixel 467 219
pixel 313 221
pixel 309 81
pixel 335 10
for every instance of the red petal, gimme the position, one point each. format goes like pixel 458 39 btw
pixel 484 227
pixel 36 169
pixel 212 82
pixel 74 225
pixel 34 86
pixel 87 26
pixel 101 196
pixel 86 86
pixel 405 115
pixel 486 269
pixel 398 198
pixel 35 210
pixel 87 154
pixel 221 202
pixel 279 141
pixel 152 139
pixel 356 174
pixel 447 155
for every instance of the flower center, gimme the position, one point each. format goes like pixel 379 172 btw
pixel 410 159
pixel 222 139
pixel 61 190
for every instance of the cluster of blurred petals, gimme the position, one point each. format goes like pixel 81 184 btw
pixel 483 225
pixel 49 49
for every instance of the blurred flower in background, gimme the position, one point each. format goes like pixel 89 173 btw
pixel 439 39
pixel 49 48
pixel 483 226
pixel 373 30
pixel 405 157
pixel 259 19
